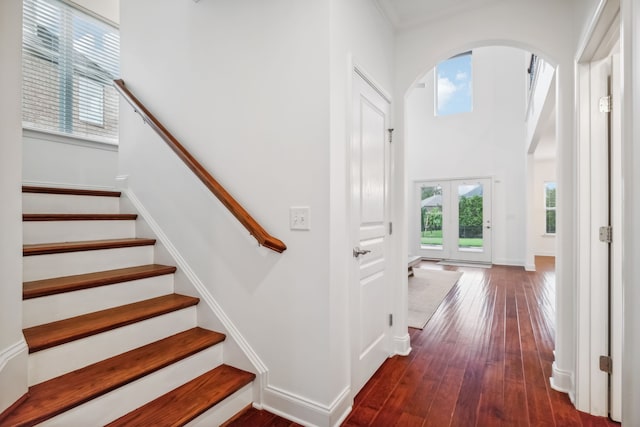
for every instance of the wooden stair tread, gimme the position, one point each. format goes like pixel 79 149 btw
pixel 62 331
pixel 62 393
pixel 188 401
pixel 88 245
pixel 79 217
pixel 70 191
pixel 57 285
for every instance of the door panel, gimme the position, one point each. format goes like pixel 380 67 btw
pixel 369 209
pixel 471 216
pixel 433 210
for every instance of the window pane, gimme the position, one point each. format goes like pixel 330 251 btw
pixel 551 222
pixel 470 216
pixel 70 60
pixel 550 194
pixel 431 216
pixel 453 85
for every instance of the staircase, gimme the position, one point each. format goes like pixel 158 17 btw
pixel 110 343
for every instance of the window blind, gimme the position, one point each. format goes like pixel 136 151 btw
pixel 69 62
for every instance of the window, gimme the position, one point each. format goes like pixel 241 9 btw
pixel 550 207
pixel 69 62
pixel 453 85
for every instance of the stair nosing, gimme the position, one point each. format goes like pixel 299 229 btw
pixel 79 246
pixel 77 217
pixel 70 191
pixel 52 286
pixel 39 337
pixel 212 400
pixel 210 339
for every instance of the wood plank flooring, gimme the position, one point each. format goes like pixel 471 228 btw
pixel 484 359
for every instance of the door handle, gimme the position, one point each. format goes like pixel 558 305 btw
pixel 357 251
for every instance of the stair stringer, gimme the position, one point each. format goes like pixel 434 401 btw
pixel 237 351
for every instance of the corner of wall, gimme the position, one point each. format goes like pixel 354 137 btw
pixel 13 365
pixel 562 381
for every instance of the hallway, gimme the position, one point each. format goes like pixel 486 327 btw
pixel 484 359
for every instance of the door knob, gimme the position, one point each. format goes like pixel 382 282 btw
pixel 357 251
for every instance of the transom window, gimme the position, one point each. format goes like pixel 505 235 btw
pixel 453 85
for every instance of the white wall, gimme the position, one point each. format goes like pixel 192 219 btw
pixel 13 350
pixel 489 141
pixel 246 87
pixel 551 29
pixel 77 162
pixel 108 9
pixel 545 171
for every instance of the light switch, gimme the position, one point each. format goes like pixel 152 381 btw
pixel 299 218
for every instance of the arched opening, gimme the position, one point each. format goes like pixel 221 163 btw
pixel 496 156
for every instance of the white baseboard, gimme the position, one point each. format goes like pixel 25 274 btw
pixel 13 373
pixel 307 412
pixel 543 253
pixel 402 345
pixel 530 267
pixel 510 262
pixel 561 380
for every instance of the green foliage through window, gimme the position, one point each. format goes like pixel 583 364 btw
pixel 550 207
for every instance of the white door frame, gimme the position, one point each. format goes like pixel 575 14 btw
pixel 592 321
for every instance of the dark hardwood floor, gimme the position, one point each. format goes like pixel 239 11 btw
pixel 484 359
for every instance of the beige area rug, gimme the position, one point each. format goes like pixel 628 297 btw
pixel 427 289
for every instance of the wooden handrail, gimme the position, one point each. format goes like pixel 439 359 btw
pixel 256 230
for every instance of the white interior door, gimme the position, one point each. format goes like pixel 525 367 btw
pixel 370 307
pixel 455 219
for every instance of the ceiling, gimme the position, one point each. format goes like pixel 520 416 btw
pixel 407 13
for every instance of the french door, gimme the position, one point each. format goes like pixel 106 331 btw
pixel 454 219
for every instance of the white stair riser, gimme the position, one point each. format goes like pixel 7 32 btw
pixel 36 267
pixel 123 400
pixel 71 231
pixel 58 360
pixel 225 409
pixel 37 311
pixel 66 203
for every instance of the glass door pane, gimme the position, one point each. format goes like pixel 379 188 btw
pixel 470 217
pixel 431 216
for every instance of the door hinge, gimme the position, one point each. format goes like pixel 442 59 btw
pixel 390 135
pixel 605 364
pixel 606 233
pixel 605 104
pixel 390 319
pixel 390 228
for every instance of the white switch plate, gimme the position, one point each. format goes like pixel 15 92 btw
pixel 299 218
